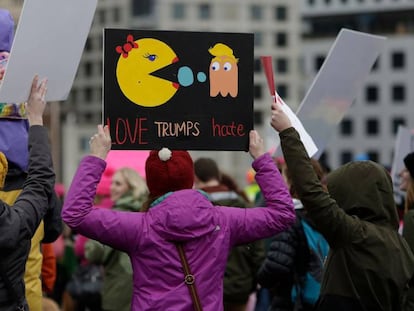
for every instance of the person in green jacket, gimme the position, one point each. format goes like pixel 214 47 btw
pixel 407 185
pixel 128 192
pixel 369 264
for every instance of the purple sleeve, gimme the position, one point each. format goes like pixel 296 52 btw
pixel 79 199
pixel 106 226
pixel 249 224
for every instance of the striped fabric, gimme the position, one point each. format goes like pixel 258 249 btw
pixel 13 111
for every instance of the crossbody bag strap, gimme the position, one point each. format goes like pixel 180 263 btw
pixel 189 278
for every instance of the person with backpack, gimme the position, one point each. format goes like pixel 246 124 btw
pixel 292 270
pixel 180 244
pixel 369 263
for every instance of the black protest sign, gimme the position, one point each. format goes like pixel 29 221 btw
pixel 181 90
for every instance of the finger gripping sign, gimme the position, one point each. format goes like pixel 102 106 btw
pixel 181 90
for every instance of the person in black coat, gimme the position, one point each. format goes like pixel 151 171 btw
pixel 287 256
pixel 19 222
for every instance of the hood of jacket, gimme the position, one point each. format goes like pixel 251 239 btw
pixel 129 203
pixel 14 135
pixel 183 215
pixel 364 189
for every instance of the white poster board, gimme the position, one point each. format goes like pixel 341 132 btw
pixel 404 144
pixel 337 83
pixel 49 41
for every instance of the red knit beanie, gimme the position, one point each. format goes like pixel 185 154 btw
pixel 168 170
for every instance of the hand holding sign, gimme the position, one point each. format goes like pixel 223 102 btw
pixel 282 116
pixel 280 120
pixel 297 124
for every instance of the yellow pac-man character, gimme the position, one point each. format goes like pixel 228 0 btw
pixel 138 60
pixel 224 72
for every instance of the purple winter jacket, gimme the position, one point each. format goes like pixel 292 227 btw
pixel 208 233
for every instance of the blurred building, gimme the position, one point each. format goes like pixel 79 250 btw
pixel 82 111
pixel 297 33
pixel 386 99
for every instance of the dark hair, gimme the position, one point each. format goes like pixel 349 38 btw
pixel 229 181
pixel 318 170
pixel 206 169
pixel 409 198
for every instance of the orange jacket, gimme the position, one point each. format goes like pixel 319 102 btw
pixel 48 267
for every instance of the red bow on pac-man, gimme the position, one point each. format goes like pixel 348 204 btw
pixel 126 47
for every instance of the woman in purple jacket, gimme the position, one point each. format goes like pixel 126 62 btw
pixel 176 215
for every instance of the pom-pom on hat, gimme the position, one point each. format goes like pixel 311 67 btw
pixel 167 170
pixel 6 30
pixel 409 163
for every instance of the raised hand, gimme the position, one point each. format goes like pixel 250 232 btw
pixel 100 143
pixel 36 103
pixel 280 121
pixel 256 144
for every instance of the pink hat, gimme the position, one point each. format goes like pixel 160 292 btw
pixel 104 187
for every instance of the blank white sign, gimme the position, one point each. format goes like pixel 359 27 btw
pixel 49 41
pixel 337 83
